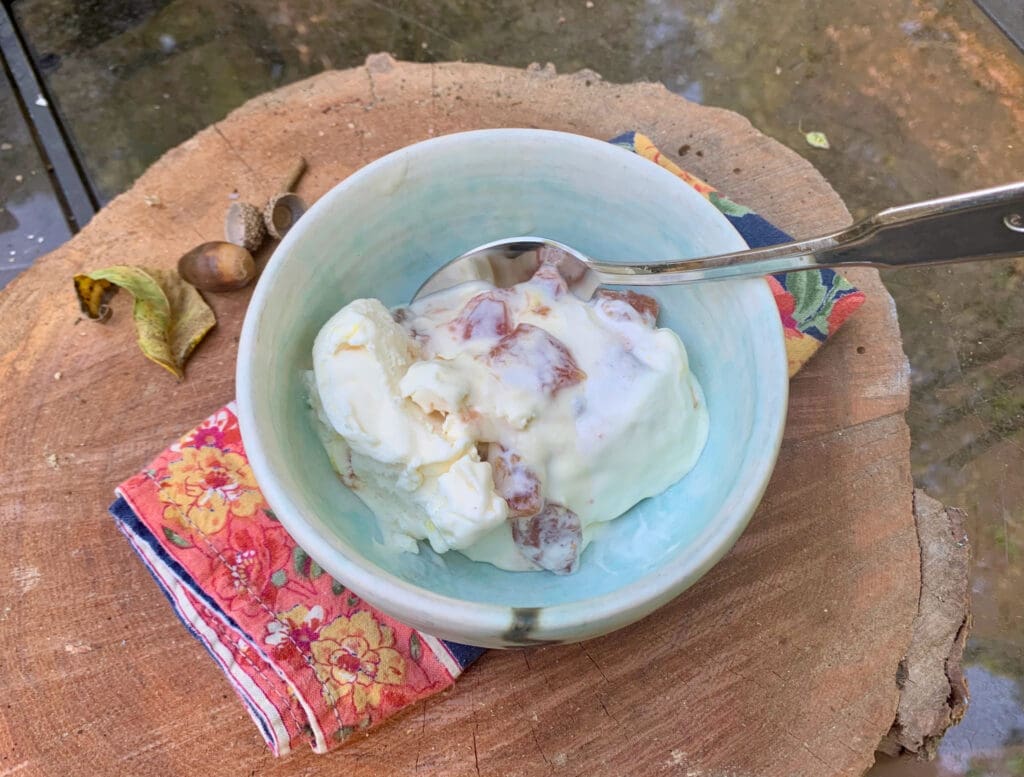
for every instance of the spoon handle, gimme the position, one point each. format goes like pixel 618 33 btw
pixel 980 225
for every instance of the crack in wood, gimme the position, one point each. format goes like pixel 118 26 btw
pixel 373 89
pixel 540 749
pixel 476 755
pixel 596 665
pixel 606 711
pixel 235 153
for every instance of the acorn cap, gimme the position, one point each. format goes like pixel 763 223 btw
pixel 282 212
pixel 243 226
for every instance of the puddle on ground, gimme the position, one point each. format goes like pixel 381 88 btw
pixel 31 220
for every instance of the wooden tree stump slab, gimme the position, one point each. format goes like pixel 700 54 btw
pixel 782 661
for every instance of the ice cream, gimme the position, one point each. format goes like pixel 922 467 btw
pixel 506 424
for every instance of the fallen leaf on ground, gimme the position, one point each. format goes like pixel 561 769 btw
pixel 171 317
pixel 94 296
pixel 817 139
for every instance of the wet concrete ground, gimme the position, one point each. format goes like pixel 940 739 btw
pixel 918 98
pixel 31 220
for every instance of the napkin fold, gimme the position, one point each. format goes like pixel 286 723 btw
pixel 311 661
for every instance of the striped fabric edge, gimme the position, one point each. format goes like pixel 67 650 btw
pixel 260 708
pixel 194 608
pixel 191 606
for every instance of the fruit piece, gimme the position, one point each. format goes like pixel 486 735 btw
pixel 647 307
pixel 529 357
pixel 550 272
pixel 516 483
pixel 347 473
pixel 547 275
pixel 485 315
pixel 558 270
pixel 551 539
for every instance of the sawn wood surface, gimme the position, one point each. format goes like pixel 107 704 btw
pixel 781 661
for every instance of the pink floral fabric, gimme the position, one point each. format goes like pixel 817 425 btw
pixel 311 660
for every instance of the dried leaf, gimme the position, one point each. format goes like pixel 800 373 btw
pixel 171 317
pixel 817 139
pixel 94 296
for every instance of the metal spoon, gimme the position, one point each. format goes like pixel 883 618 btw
pixel 980 225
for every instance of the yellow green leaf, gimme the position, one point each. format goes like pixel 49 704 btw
pixel 191 317
pixel 817 139
pixel 171 317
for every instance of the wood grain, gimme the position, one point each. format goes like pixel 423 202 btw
pixel 781 661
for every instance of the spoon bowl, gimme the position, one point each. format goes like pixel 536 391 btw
pixel 506 262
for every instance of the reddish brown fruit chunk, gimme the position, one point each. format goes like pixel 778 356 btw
pixel 551 539
pixel 485 315
pixel 647 307
pixel 517 484
pixel 347 472
pixel 529 357
pixel 550 278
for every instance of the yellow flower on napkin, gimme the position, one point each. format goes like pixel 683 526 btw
pixel 206 486
pixel 355 657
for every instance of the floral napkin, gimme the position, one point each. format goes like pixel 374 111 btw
pixel 311 661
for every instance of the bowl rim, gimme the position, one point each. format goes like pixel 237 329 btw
pixel 408 602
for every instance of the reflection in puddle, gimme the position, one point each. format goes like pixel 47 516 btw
pixel 994 721
pixel 31 225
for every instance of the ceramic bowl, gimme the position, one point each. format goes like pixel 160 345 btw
pixel 387 227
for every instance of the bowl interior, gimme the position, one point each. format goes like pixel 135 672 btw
pixel 386 228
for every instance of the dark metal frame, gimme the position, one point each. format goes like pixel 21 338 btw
pixel 1008 16
pixel 77 196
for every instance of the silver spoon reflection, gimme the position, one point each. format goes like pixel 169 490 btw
pixel 976 226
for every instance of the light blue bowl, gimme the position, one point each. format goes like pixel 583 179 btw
pixel 380 233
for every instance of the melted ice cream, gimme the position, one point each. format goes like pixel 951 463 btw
pixel 506 423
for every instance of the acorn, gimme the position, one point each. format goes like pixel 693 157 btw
pixel 282 212
pixel 285 207
pixel 217 266
pixel 243 226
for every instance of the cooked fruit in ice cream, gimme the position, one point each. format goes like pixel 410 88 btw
pixel 506 423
